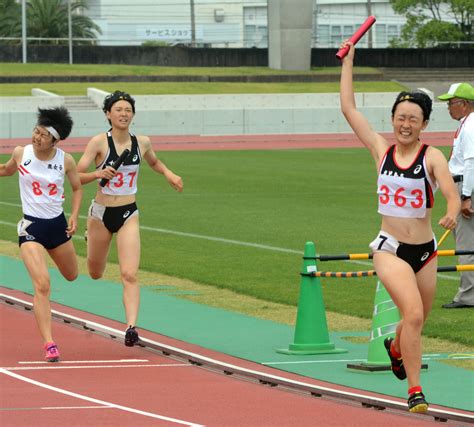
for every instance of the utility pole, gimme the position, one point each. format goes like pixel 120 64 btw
pixel 369 13
pixel 69 27
pixel 193 24
pixel 23 30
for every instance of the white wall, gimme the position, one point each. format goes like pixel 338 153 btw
pixel 223 115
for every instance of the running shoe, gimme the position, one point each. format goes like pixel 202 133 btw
pixel 417 402
pixel 131 336
pixel 52 352
pixel 397 363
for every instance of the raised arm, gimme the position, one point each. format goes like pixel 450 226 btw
pixel 376 144
pixel 157 165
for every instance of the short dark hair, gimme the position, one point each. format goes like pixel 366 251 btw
pixel 115 97
pixel 57 118
pixel 417 97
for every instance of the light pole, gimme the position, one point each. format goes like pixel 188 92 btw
pixel 193 24
pixel 369 13
pixel 69 28
pixel 23 30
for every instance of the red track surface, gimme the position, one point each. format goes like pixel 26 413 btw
pixel 153 390
pixel 241 142
pixel 157 390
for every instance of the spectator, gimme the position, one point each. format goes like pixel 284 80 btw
pixel 460 98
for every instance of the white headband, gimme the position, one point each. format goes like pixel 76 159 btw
pixel 53 132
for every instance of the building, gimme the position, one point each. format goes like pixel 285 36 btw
pixel 234 23
pixel 224 23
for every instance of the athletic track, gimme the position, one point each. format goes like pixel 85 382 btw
pixel 101 382
pixel 241 142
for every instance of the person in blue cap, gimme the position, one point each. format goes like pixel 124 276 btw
pixel 460 100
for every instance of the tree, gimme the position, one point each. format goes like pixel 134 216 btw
pixel 49 19
pixel 10 19
pixel 427 24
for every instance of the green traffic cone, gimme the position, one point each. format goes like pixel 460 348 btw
pixel 311 331
pixel 384 324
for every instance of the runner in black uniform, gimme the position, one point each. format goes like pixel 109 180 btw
pixel 114 208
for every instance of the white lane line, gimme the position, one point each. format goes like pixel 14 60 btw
pixel 300 362
pixel 98 401
pixel 47 408
pixel 86 361
pixel 56 366
pixel 426 357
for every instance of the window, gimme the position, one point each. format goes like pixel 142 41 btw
pixel 336 36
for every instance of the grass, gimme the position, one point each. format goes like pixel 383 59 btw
pixel 44 69
pixel 182 88
pixel 280 198
pixel 172 88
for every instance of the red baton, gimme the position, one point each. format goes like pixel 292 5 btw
pixel 357 36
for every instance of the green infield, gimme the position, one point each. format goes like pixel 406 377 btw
pixel 44 69
pixel 243 219
pixel 191 88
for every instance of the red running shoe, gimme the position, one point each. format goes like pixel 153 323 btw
pixel 52 352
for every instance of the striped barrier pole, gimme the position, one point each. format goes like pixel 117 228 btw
pixel 370 273
pixel 443 237
pixel 343 257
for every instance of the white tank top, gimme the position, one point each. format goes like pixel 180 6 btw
pixel 405 192
pixel 41 184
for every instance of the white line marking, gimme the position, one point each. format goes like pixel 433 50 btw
pixel 47 408
pixel 86 361
pixel 56 366
pixel 299 362
pixel 75 407
pixel 425 357
pixel 98 401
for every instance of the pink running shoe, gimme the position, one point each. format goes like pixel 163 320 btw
pixel 52 352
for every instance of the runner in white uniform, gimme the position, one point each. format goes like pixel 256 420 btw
pixel 43 229
pixel 408 269
pixel 114 209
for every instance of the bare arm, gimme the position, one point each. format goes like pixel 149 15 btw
pixel 467 207
pixel 158 166
pixel 74 180
pixel 376 144
pixel 446 184
pixel 92 152
pixel 10 167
